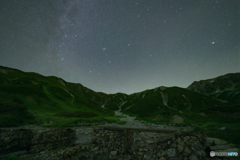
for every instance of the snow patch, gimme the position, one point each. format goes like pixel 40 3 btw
pixel 3 71
pixel 70 95
pixel 62 83
pixel 103 106
pixel 128 108
pixel 45 90
pixel 120 106
pixel 34 82
pixel 123 103
pixel 162 88
pixel 143 95
pixel 184 96
pixel 164 98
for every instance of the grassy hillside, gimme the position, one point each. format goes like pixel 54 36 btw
pixel 30 98
pixel 225 87
pixel 172 100
pixel 198 110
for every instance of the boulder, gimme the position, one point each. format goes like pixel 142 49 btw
pixel 220 147
pixel 181 147
pixel 187 151
pixel 222 129
pixel 171 152
pixel 176 119
pixel 193 157
pixel 214 141
pixel 113 153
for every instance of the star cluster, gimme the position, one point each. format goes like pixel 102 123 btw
pixel 122 46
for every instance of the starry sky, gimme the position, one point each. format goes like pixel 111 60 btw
pixel 122 45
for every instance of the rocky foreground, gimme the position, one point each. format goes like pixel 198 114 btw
pixel 98 143
pixel 36 143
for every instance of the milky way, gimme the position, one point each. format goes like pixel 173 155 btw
pixel 122 46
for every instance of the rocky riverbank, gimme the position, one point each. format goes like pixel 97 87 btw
pixel 36 143
pixel 89 143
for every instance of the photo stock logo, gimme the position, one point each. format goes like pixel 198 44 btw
pixel 212 154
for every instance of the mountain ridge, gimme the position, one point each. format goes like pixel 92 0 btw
pixel 48 98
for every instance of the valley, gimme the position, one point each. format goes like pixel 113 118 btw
pixel 30 100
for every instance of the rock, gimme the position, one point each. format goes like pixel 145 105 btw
pixel 220 147
pixel 187 151
pixel 214 141
pixel 186 146
pixel 176 119
pixel 171 152
pixel 140 153
pixel 181 147
pixel 113 153
pixel 193 157
pixel 222 129
pixel 148 141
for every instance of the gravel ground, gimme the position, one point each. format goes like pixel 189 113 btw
pixel 132 123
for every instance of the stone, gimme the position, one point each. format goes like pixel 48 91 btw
pixel 171 152
pixel 180 147
pixel 179 140
pixel 177 150
pixel 95 149
pixel 105 150
pixel 214 141
pixel 140 153
pixel 187 151
pixel 113 153
pixel 176 119
pixel 222 129
pixel 220 147
pixel 186 139
pixel 148 141
pixel 193 157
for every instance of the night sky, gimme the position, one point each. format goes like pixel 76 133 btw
pixel 122 45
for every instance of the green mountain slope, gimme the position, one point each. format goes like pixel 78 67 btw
pixel 40 98
pixel 171 100
pixel 226 87
pixel 30 98
pixel 27 98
